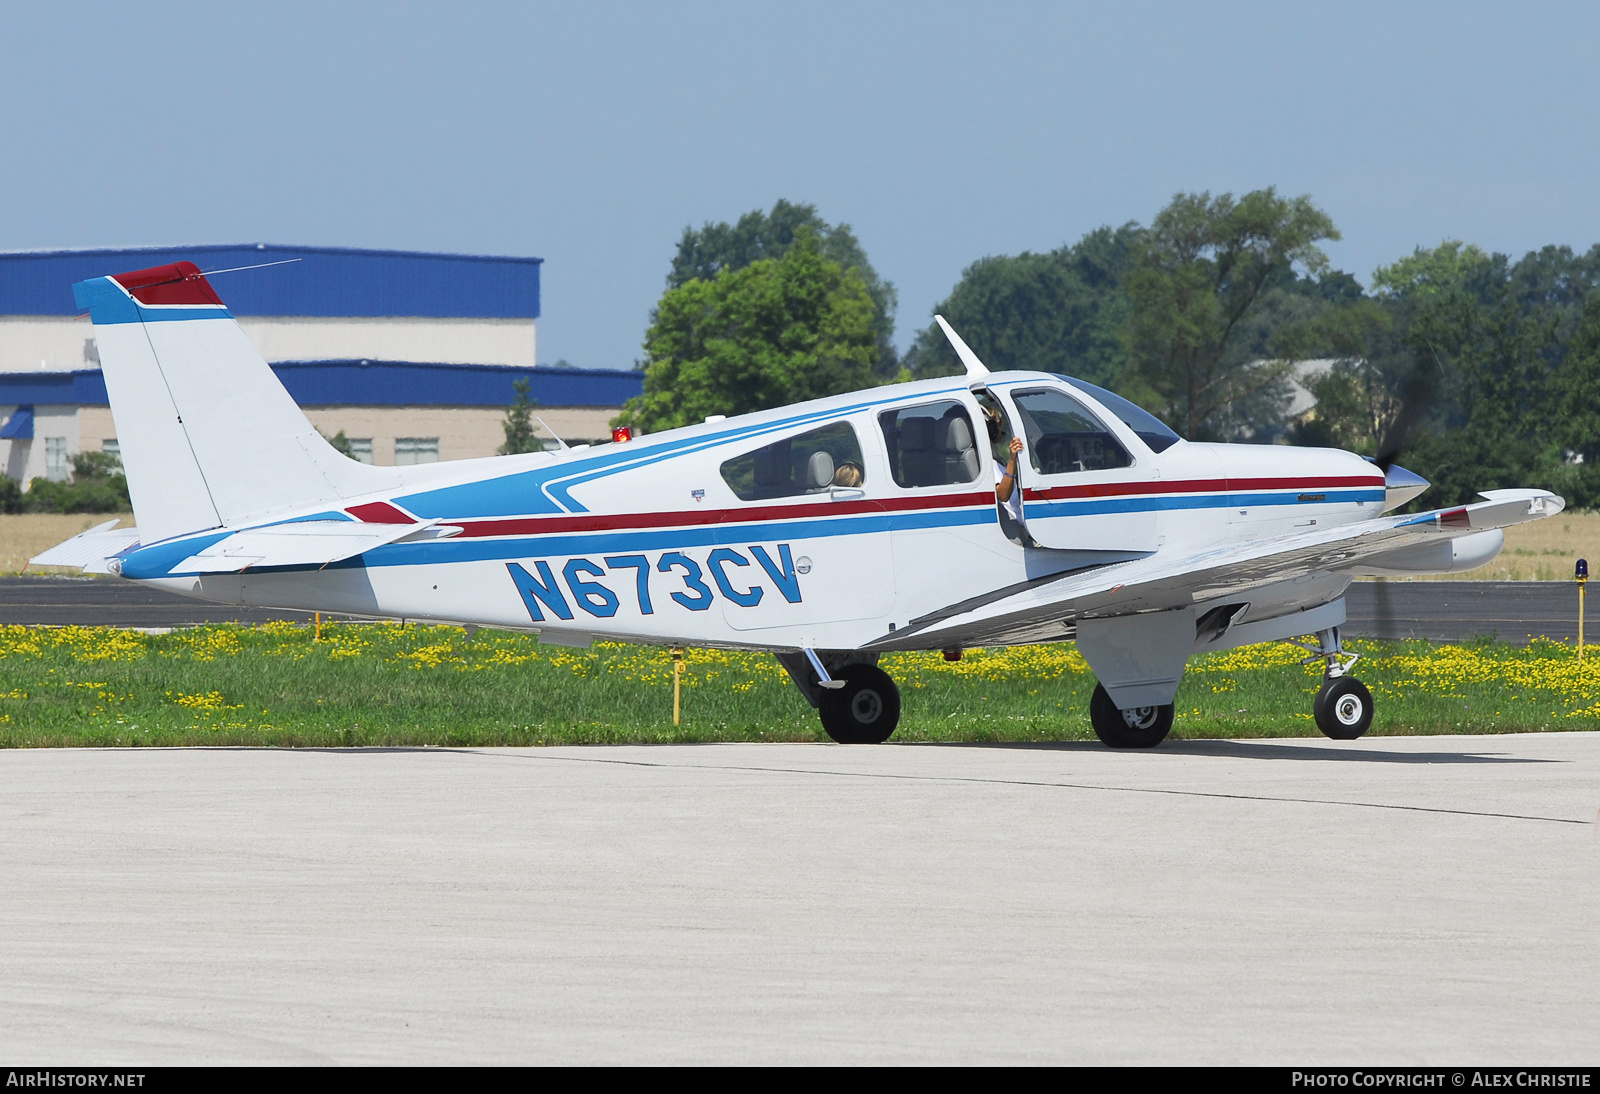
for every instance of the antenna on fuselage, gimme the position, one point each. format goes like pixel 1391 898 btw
pixel 977 371
pixel 550 431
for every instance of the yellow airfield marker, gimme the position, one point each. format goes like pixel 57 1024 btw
pixel 1580 574
pixel 677 684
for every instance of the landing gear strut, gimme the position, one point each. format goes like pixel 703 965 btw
pixel 1343 707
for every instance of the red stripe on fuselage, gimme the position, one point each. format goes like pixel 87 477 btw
pixel 1198 486
pixel 380 512
pixel 602 522
pixel 606 522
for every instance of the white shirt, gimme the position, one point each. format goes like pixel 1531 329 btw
pixel 1014 506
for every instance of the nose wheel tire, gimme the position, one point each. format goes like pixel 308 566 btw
pixel 1139 727
pixel 864 711
pixel 1343 708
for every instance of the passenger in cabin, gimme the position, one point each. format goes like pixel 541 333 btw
pixel 1005 474
pixel 849 474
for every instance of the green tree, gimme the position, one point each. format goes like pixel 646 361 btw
pixel 1198 280
pixel 777 331
pixel 340 443
pixel 1578 380
pixel 97 485
pixel 705 252
pixel 518 423
pixel 1477 361
pixel 1061 311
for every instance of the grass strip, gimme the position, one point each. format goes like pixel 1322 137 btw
pixel 364 684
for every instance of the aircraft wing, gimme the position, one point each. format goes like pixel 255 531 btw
pixel 1047 608
pixel 302 543
pixel 89 550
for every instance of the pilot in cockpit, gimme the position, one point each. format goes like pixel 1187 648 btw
pixel 1005 474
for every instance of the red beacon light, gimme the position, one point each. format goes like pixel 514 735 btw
pixel 621 434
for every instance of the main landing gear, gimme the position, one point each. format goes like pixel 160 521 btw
pixel 1343 707
pixel 1137 727
pixel 864 711
pixel 858 702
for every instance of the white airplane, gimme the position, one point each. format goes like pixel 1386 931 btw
pixel 828 532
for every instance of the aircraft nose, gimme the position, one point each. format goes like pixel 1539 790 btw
pixel 1400 486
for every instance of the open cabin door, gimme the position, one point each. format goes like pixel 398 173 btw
pixel 1083 490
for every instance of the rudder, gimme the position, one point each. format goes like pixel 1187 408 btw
pixel 207 433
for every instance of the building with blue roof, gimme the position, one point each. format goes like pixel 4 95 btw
pixel 411 355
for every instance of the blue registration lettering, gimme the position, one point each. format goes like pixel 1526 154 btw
pixel 691 580
pixel 782 573
pixel 534 592
pixel 641 568
pixel 721 557
pixel 591 596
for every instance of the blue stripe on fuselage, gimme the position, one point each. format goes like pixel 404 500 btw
pixel 446 551
pixel 1173 502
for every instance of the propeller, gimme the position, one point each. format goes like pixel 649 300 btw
pixel 1415 397
pixel 1401 485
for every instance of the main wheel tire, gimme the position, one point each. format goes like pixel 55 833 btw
pixel 1140 727
pixel 1343 708
pixel 864 711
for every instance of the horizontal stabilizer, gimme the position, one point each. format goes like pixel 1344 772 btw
pixel 303 543
pixel 89 550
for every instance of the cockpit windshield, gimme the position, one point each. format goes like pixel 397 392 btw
pixel 1145 425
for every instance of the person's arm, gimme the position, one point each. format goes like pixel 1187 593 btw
pixel 1008 481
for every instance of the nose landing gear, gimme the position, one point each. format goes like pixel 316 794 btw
pixel 1343 707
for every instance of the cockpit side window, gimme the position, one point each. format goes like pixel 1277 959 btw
pixel 1063 437
pixel 807 464
pixel 932 444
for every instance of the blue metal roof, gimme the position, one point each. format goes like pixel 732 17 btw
pixel 324 281
pixel 371 383
pixel 18 427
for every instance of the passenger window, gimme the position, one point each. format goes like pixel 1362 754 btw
pixel 807 464
pixel 1064 437
pixel 930 445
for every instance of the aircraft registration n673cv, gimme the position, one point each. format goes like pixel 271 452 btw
pixel 827 532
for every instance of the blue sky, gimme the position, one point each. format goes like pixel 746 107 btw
pixel 591 135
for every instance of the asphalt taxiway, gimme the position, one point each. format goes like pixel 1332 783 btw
pixel 1392 900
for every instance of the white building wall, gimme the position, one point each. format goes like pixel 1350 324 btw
pixel 463 432
pixel 60 343
pixel 452 341
pixel 46 343
pixel 24 460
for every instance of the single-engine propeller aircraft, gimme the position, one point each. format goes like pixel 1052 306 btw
pixel 827 532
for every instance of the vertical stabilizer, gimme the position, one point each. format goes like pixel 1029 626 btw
pixel 207 433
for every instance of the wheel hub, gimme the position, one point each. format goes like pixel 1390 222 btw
pixel 1140 717
pixel 866 706
pixel 1348 710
